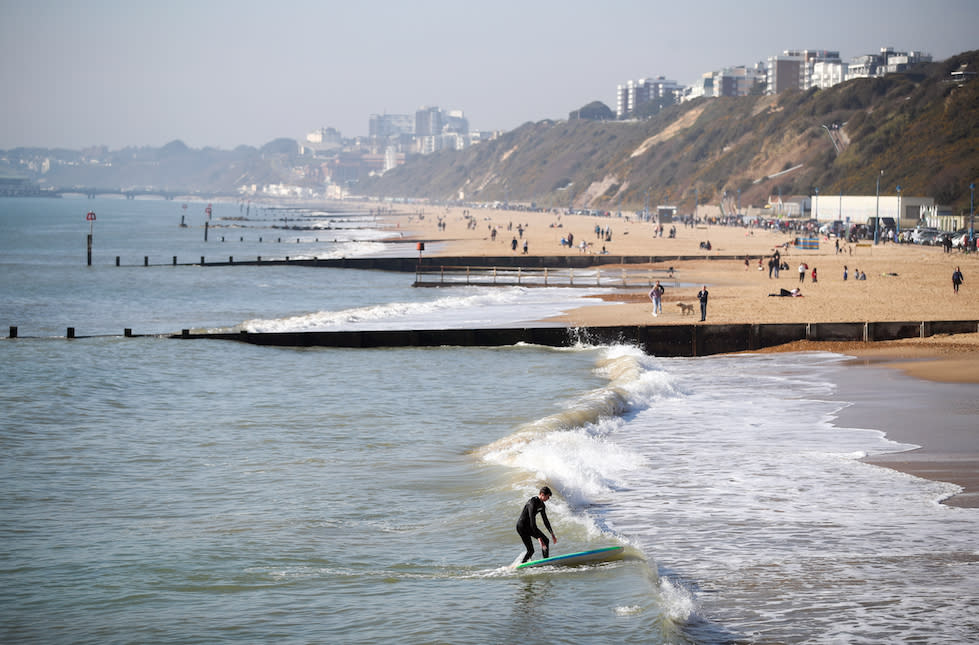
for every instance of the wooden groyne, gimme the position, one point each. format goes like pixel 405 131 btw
pixel 692 339
pixel 430 264
pixel 658 340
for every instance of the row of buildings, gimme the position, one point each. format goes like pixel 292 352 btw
pixel 391 139
pixel 793 69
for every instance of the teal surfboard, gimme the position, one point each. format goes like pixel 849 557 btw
pixel 607 554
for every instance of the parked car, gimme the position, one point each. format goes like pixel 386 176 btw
pixel 922 233
pixel 832 229
pixel 960 238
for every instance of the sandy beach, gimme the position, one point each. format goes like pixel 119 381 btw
pixel 903 283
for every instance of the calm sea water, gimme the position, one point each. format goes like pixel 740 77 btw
pixel 158 490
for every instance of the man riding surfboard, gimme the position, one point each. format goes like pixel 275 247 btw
pixel 527 524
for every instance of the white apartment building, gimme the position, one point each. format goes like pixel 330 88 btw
pixel 632 94
pixel 794 69
pixel 826 74
pixel 887 61
pixel 704 86
pixel 730 81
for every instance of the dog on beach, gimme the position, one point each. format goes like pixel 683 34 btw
pixel 685 309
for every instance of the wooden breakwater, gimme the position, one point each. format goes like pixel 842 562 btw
pixel 694 339
pixel 434 263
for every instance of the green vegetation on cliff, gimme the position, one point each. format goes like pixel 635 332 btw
pixel 920 128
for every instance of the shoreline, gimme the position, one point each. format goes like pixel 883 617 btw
pixel 904 282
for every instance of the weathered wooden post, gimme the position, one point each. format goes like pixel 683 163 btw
pixel 90 216
pixel 71 332
pixel 13 331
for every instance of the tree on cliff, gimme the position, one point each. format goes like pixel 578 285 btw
pixel 594 111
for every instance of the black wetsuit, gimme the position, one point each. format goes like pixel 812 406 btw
pixel 527 527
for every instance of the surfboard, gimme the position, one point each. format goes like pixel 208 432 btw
pixel 607 554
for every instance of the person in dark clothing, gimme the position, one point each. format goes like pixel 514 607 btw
pixel 527 525
pixel 702 297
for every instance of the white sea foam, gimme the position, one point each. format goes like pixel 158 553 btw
pixel 463 307
pixel 730 471
pixel 572 449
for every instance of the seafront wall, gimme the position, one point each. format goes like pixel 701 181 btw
pixel 657 340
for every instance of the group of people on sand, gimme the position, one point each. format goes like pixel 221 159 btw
pixel 857 274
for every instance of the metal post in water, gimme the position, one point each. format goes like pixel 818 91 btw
pixel 89 249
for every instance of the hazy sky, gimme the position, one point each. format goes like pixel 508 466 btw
pixel 75 73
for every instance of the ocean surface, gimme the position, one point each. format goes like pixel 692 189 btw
pixel 155 490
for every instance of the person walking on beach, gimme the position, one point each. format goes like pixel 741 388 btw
pixel 527 524
pixel 957 279
pixel 814 274
pixel 656 295
pixel 802 272
pixel 702 297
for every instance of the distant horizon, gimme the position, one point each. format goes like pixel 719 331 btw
pixel 222 74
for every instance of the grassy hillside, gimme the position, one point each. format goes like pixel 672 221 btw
pixel 919 128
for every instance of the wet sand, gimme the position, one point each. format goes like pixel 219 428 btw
pixel 903 283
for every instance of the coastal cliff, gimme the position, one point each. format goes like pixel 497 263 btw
pixel 921 128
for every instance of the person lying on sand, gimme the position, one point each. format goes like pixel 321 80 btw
pixel 793 293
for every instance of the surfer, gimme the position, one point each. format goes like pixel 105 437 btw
pixel 527 524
